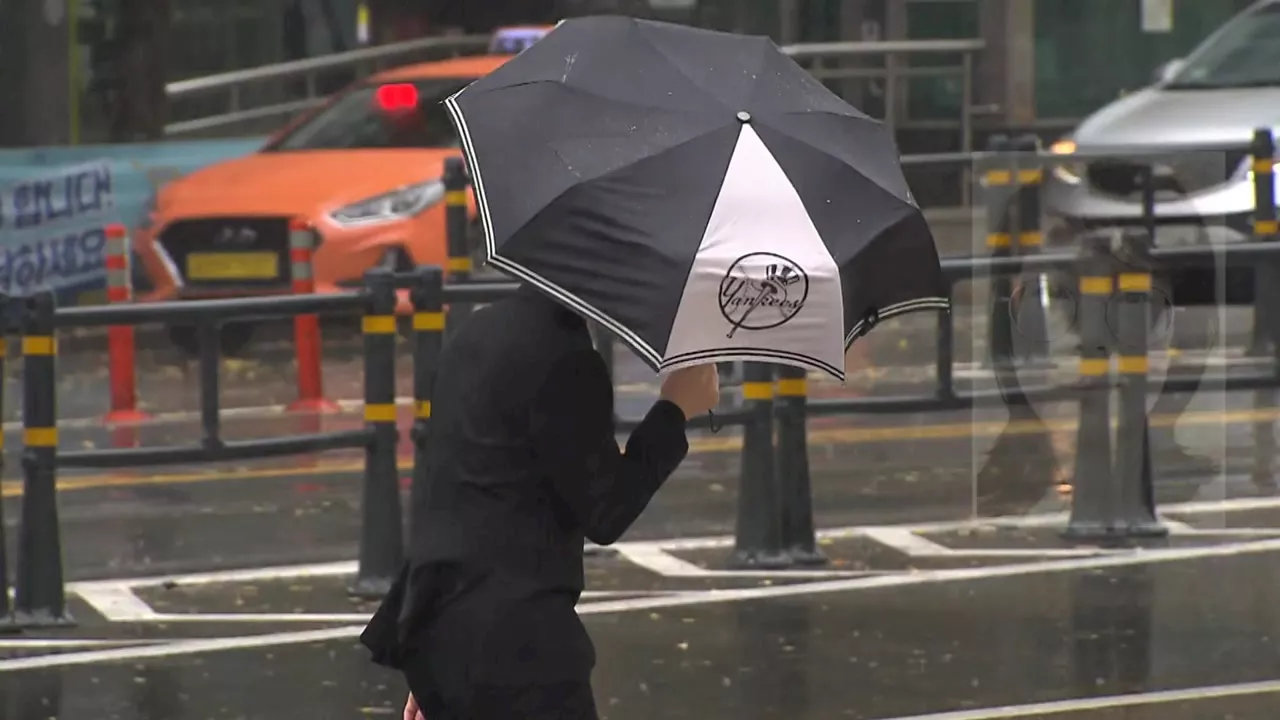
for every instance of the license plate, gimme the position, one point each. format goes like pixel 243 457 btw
pixel 233 266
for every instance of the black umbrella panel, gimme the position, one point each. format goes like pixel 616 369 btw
pixel 697 193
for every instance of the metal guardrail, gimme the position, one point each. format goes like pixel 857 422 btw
pixel 283 90
pixel 274 93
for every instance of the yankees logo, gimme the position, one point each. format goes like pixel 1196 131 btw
pixel 762 290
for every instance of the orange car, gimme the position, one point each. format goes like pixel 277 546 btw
pixel 364 169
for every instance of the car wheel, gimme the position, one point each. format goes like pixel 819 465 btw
pixel 233 339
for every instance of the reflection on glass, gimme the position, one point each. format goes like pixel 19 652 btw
pixel 1111 630
pixel 773 656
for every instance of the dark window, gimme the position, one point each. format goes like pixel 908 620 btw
pixel 358 120
pixel 1245 53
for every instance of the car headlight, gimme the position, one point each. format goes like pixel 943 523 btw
pixel 405 202
pixel 1067 172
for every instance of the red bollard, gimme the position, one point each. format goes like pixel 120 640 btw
pixel 306 328
pixel 120 345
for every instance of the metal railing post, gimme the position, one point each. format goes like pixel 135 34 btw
pixel 1135 491
pixel 998 181
pixel 209 367
pixel 1266 275
pixel 39 595
pixel 427 297
pixel 793 467
pixel 758 541
pixel 381 531
pixel 455 213
pixel 1092 482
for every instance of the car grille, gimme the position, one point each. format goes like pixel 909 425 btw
pixel 230 253
pixel 1187 175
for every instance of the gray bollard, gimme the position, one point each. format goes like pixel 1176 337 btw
pixel 997 193
pixel 1092 481
pixel 381 531
pixel 793 467
pixel 39 595
pixel 1033 322
pixel 758 541
pixel 1134 499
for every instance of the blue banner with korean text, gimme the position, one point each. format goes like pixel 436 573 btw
pixel 52 232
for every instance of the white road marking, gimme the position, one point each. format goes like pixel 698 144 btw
pixel 1035 552
pixel 653 558
pixel 1149 557
pixel 250 575
pixel 317 618
pixel 906 542
pixel 670 563
pixel 114 601
pixel 55 643
pixel 1012 522
pixel 361 617
pixel 1110 702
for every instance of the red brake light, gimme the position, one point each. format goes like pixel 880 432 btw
pixel 397 96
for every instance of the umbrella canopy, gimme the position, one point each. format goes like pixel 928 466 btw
pixel 697 193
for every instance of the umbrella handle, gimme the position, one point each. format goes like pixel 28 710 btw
pixel 715 428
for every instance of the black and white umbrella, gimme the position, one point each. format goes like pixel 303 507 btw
pixel 695 192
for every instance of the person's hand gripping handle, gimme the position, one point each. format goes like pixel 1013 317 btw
pixel 694 390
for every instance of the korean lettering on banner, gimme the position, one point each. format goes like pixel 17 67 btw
pixel 52 229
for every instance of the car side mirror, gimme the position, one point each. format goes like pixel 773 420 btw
pixel 1167 70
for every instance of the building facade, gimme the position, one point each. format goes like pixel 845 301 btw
pixel 1046 62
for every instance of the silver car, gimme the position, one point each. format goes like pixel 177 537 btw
pixel 1215 97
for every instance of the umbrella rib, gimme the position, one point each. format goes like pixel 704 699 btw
pixel 781 127
pixel 676 66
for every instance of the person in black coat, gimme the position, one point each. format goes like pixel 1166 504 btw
pixel 522 465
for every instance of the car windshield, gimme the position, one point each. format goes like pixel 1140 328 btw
pixel 383 115
pixel 1245 53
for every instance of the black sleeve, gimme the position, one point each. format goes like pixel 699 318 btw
pixel 575 444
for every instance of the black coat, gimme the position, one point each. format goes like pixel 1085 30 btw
pixel 523 463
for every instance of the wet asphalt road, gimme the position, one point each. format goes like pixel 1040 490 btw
pixel 1077 638
pixel 926 643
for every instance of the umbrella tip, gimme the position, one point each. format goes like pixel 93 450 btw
pixel 744 116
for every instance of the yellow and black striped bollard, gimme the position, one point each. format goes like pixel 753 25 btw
pixel 428 337
pixel 381 534
pixel 758 541
pixel 39 596
pixel 1032 323
pixel 1266 284
pixel 455 212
